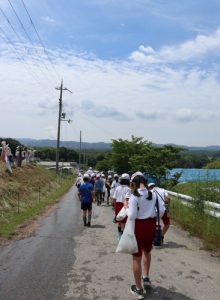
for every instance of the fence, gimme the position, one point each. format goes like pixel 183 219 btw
pixel 15 201
pixel 212 208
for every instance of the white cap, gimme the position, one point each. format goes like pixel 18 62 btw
pixel 103 175
pixel 109 176
pixel 136 174
pixel 151 184
pixel 116 175
pixel 86 175
pixel 125 176
pixel 97 175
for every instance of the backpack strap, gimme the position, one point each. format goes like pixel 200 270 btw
pixel 158 210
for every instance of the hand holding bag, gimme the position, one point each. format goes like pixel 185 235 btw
pixel 128 242
pixel 95 211
pixel 122 214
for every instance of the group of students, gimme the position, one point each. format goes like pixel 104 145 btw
pixel 139 199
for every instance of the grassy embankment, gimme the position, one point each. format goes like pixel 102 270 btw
pixel 26 193
pixel 194 219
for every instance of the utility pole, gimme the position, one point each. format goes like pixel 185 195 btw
pixel 60 115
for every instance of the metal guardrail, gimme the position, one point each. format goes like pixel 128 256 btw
pixel 212 208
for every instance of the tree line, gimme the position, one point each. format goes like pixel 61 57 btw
pixel 131 155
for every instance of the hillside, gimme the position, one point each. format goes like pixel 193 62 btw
pixel 99 145
pixel 67 144
pixel 25 194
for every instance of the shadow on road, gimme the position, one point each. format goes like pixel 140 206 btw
pixel 173 245
pixel 98 226
pixel 160 293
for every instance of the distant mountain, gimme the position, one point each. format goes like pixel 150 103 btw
pixel 99 145
pixel 67 144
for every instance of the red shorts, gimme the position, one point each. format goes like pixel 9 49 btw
pixel 118 207
pixel 166 219
pixel 144 232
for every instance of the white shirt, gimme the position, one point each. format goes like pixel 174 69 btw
pixel 114 185
pixel 121 193
pixel 161 193
pixel 142 208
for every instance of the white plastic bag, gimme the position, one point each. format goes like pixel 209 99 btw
pixel 128 242
pixel 95 211
pixel 121 215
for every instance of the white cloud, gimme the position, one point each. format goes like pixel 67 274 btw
pixel 157 102
pixel 49 20
pixel 192 49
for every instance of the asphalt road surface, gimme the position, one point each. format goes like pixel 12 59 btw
pixel 63 260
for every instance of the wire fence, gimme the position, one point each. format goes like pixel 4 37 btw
pixel 16 201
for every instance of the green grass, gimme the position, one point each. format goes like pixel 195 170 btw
pixel 206 191
pixel 198 224
pixel 12 219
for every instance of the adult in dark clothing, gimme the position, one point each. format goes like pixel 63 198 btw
pixel 86 196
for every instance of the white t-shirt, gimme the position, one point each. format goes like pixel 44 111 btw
pixel 142 208
pixel 121 193
pixel 114 185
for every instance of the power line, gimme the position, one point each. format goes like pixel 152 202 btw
pixel 21 59
pixel 41 42
pixel 29 38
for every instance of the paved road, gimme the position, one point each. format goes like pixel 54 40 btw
pixel 65 261
pixel 36 267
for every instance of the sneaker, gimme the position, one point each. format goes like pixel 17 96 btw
pixel 162 239
pixel 146 282
pixel 138 293
pixel 88 224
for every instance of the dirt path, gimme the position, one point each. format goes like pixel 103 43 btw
pixel 180 270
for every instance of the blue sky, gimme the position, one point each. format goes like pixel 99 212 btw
pixel 144 68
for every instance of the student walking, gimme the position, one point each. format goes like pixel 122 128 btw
pixel 86 196
pixel 122 193
pixel 108 187
pixel 161 193
pixel 141 208
pixel 114 185
pixel 98 186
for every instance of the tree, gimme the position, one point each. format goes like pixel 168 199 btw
pixel 123 150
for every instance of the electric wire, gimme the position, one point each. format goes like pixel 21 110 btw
pixel 30 40
pixel 38 35
pixel 21 42
pixel 20 58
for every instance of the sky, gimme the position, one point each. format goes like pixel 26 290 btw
pixel 145 68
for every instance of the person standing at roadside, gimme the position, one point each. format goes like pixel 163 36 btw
pixel 161 193
pixel 86 196
pixel 141 209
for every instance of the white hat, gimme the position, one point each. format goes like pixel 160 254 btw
pixel 109 176
pixel 151 184
pixel 116 175
pixel 125 176
pixel 97 175
pixel 86 175
pixel 103 175
pixel 136 174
